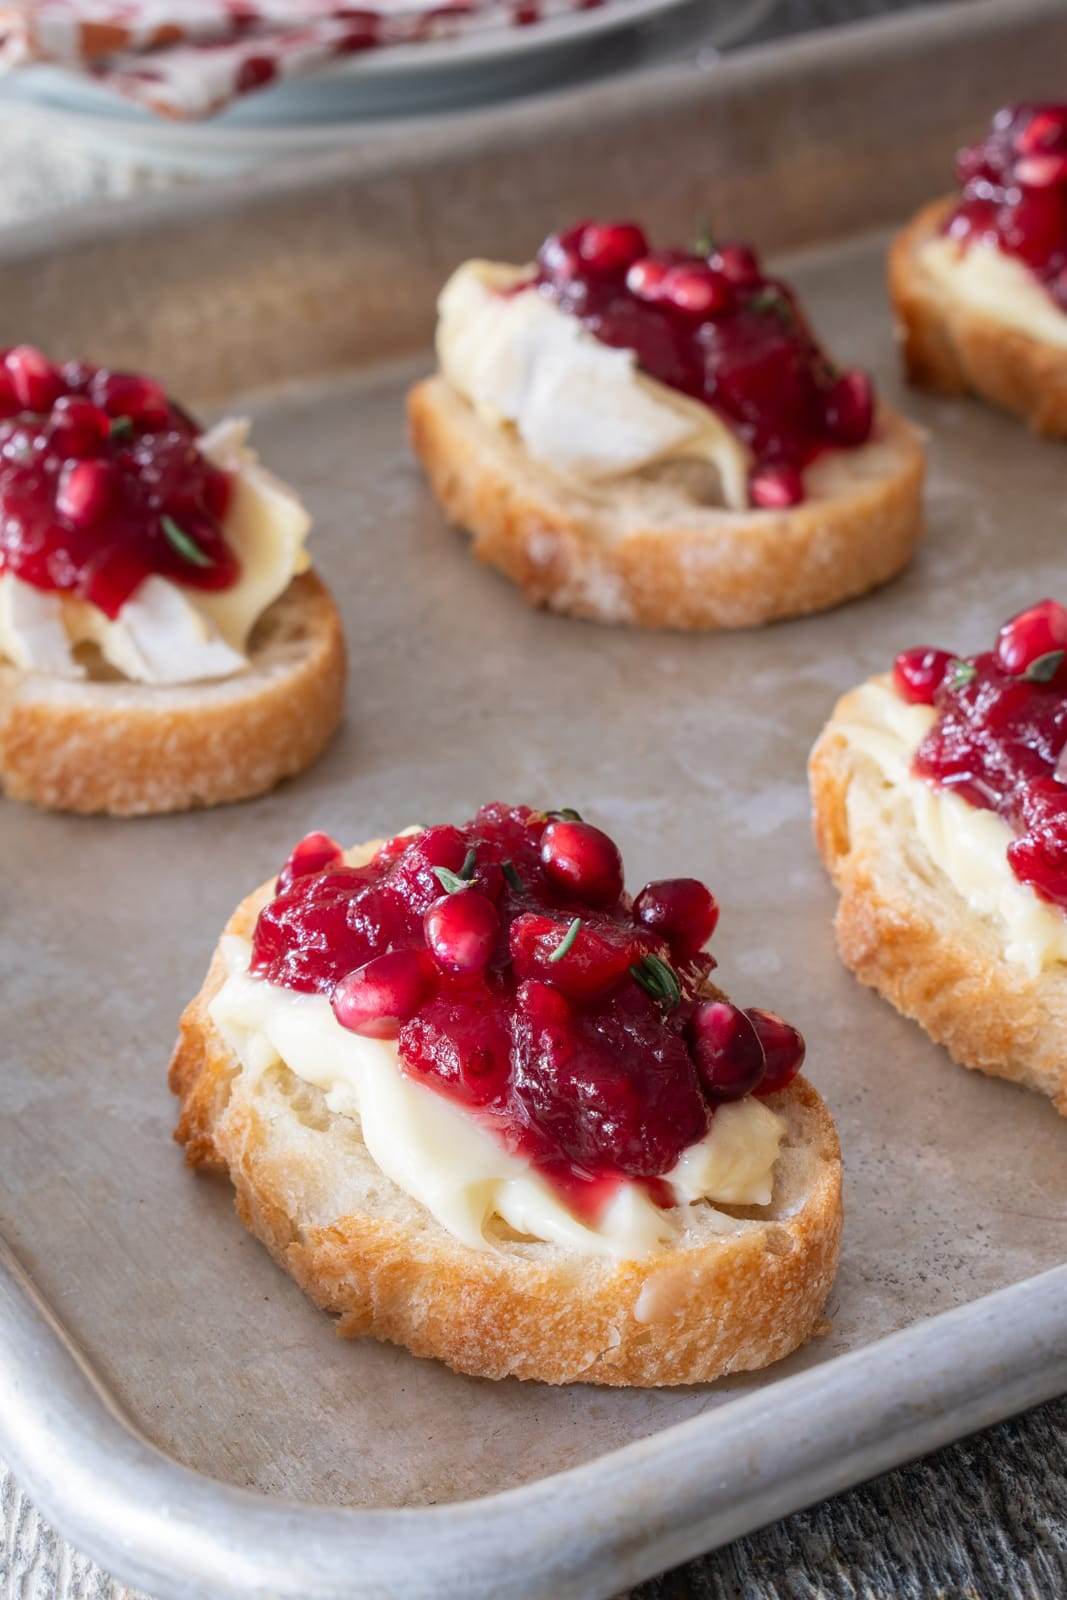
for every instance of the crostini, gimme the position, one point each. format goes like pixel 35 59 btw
pixel 978 280
pixel 940 800
pixel 656 437
pixel 163 643
pixel 481 1104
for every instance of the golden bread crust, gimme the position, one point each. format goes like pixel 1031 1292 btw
pixel 134 749
pixel 905 931
pixel 951 348
pixel 722 1304
pixel 687 567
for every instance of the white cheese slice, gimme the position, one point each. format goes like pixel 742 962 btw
pixel 992 281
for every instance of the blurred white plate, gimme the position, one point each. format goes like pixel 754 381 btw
pixel 379 89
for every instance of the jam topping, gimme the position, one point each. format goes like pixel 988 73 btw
pixel 1014 185
pixel 520 981
pixel 1000 734
pixel 713 326
pixel 102 484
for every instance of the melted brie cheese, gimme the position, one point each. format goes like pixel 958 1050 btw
pixel 581 408
pixel 444 1158
pixel 999 284
pixel 969 845
pixel 166 633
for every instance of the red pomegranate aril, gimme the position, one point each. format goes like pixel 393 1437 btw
pixel 783 1049
pixel 1041 171
pixel 681 911
pixel 738 263
pixel 80 428
pixel 1046 129
pixel 583 861
pixel 314 853
pixel 9 404
pixel 141 399
pixel 698 291
pixel 645 278
pixel 36 382
pixel 462 930
pixel 776 487
pixel 850 409
pixel 379 997
pixel 581 961
pixel 86 493
pixel 727 1051
pixel 611 247
pixel 1035 632
pixel 919 673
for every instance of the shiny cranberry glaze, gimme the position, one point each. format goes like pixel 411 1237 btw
pixel 1014 195
pixel 569 1025
pixel 715 327
pixel 999 738
pixel 101 484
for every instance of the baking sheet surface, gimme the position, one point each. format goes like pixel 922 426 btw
pixel 691 751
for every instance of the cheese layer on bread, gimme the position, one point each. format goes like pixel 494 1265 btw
pixel 581 409
pixel 165 633
pixel 448 1161
pixel 967 844
pixel 990 280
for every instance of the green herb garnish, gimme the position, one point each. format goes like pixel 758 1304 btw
pixel 658 979
pixel 960 673
pixel 704 243
pixel 565 814
pixel 567 941
pixel 187 548
pixel 1044 668
pixel 121 428
pixel 508 869
pixel 773 302
pixel 452 882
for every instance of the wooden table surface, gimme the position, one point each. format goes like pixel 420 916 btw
pixel 981 1520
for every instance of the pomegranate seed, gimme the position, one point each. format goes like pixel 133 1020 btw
pixel 1032 634
pixel 850 408
pixel 378 998
pixel 1046 129
pixel 9 404
pixel 776 487
pixel 726 1049
pixel 918 674
pixel 698 291
pixel 581 961
pixel 738 263
pixel 79 427
pixel 645 278
pixel 783 1049
pixel 583 861
pixel 681 910
pixel 1042 171
pixel 462 930
pixel 86 493
pixel 144 401
pixel 610 247
pixel 35 380
pixel 314 853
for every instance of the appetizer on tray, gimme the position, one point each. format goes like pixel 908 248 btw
pixel 480 1103
pixel 656 437
pixel 163 643
pixel 940 795
pixel 979 280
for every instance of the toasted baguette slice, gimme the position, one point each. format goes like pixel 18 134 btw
pixel 647 551
pixel 105 744
pixel 953 348
pixel 363 1249
pixel 904 930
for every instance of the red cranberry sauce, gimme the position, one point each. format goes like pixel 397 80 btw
pixel 715 327
pixel 520 981
pixel 1000 735
pixel 1014 185
pixel 101 484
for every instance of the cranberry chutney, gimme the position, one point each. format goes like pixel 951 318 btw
pixel 521 981
pixel 1014 192
pixel 102 485
pixel 714 326
pixel 1000 734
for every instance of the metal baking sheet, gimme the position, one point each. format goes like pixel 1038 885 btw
pixel 169 1397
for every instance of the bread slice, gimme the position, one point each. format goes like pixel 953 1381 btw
pixel 648 551
pixel 953 348
pixel 904 930
pixel 105 744
pixel 363 1249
